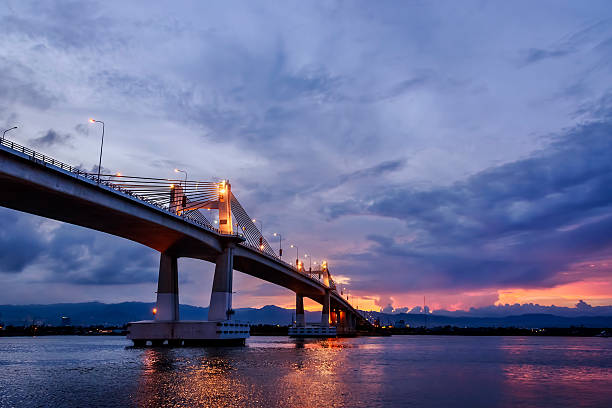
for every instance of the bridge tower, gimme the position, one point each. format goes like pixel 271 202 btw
pixel 225 208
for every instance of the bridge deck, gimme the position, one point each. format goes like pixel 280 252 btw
pixel 37 184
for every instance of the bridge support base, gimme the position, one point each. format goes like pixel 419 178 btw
pixel 188 333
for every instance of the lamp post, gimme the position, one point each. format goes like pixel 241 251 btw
pixel 260 225
pixel 297 255
pixel 261 244
pixel 280 246
pixel 182 171
pixel 7 130
pixel 101 146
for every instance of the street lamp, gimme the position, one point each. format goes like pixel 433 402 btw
pixel 182 171
pixel 7 130
pixel 260 225
pixel 261 244
pixel 101 146
pixel 280 247
pixel 297 254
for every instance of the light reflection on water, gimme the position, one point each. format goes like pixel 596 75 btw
pixel 277 371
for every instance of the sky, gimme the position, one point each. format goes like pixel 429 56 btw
pixel 454 151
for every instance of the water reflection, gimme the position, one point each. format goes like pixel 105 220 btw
pixel 560 371
pixel 302 373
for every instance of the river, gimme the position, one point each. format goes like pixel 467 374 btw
pixel 402 371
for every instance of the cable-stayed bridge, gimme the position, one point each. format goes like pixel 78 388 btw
pixel 178 218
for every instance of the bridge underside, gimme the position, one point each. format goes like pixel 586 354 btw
pixel 58 196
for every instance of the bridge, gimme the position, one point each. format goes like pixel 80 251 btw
pixel 172 217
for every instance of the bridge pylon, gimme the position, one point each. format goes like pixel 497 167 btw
pixel 220 307
pixel 325 310
pixel 225 208
pixel 167 305
pixel 300 317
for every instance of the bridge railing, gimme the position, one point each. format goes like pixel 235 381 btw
pixel 79 172
pixel 36 156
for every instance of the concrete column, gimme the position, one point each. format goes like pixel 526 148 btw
pixel 342 318
pixel 221 297
pixel 167 289
pixel 300 318
pixel 325 311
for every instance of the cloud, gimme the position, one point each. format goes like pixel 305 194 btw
pixel 48 251
pixel 520 223
pixel 534 55
pixel 51 138
pixel 390 139
pixel 18 87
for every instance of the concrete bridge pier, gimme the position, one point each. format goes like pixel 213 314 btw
pixel 220 308
pixel 300 318
pixel 167 289
pixel 325 311
pixel 168 329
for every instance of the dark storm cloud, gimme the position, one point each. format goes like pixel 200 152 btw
pixel 572 43
pixel 69 254
pixel 19 244
pixel 374 171
pixel 51 138
pixel 516 224
pixel 535 55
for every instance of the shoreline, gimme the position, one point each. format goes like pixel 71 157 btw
pixel 276 330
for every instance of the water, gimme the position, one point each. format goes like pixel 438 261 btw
pixel 423 371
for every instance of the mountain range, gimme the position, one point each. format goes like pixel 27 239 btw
pixel 96 313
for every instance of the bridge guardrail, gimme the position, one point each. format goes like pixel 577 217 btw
pixel 44 159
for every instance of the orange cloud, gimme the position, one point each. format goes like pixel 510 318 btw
pixel 596 293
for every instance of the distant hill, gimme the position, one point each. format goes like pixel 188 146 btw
pixel 95 313
pixel 529 320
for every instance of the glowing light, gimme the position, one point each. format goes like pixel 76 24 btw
pixel 176 170
pixel 91 120
pixel 261 247
pixel 154 310
pixel 118 174
pixel 254 220
pixel 171 185
pixel 222 191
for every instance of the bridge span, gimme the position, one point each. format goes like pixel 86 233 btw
pixel 167 215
